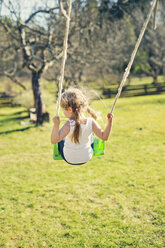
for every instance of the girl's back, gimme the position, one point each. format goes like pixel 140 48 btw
pixel 82 152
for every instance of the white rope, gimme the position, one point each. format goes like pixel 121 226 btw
pixel 127 70
pixel 64 57
pixel 155 13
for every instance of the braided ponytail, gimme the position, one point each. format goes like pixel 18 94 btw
pixel 75 135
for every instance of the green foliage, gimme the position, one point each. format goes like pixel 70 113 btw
pixel 113 201
pixel 141 65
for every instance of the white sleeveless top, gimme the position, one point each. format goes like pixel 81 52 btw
pixel 79 153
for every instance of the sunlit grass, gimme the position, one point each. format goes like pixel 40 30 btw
pixel 116 200
pixel 132 80
pixel 145 80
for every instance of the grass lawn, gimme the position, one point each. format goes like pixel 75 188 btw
pixel 113 201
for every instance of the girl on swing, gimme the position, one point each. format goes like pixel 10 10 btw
pixel 77 147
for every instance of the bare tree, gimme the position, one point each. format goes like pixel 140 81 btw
pixel 10 62
pixel 37 43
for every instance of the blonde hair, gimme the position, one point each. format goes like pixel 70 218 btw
pixel 76 99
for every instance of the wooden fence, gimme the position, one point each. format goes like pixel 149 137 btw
pixel 5 99
pixel 128 91
pixel 139 90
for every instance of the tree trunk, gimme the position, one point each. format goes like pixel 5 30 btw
pixel 42 115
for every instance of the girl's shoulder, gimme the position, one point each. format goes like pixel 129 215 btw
pixel 66 125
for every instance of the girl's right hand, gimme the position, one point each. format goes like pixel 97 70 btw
pixel 56 120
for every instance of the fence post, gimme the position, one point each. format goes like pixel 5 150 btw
pixel 109 93
pixel 145 89
pixel 159 89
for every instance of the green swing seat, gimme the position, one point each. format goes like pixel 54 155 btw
pixel 98 149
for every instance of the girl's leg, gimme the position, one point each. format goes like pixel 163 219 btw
pixel 60 148
pixel 92 140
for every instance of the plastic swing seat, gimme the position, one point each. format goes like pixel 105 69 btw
pixel 98 149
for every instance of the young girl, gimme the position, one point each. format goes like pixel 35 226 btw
pixel 78 131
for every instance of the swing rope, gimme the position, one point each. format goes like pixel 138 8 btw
pixel 155 13
pixel 64 57
pixel 128 68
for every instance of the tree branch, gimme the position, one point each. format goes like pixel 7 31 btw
pixel 40 11
pixel 12 77
pixel 8 30
pixel 63 11
pixel 32 29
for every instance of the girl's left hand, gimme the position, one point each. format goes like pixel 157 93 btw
pixel 110 116
pixel 56 120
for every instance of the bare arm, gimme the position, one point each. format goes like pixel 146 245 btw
pixel 102 134
pixel 58 135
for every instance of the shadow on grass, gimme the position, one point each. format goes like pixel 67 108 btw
pixel 15 119
pixel 11 118
pixel 15 113
pixel 18 130
pixel 20 112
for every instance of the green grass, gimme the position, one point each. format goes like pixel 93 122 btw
pixel 113 201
